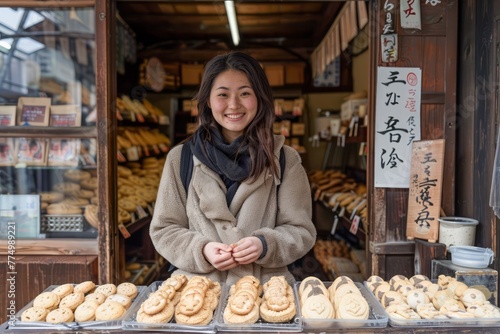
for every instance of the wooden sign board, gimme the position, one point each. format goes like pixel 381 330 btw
pixel 424 199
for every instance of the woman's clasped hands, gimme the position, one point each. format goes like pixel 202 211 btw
pixel 225 257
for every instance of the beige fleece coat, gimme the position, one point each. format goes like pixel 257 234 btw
pixel 181 226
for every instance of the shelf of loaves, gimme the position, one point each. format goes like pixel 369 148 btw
pixel 344 196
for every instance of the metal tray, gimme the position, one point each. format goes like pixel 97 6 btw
pixel 129 322
pixel 294 325
pixel 102 325
pixel 377 318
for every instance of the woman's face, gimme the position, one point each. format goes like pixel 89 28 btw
pixel 233 103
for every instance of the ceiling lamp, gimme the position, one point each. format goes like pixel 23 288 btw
pixel 233 23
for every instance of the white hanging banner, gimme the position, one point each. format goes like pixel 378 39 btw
pixel 397 124
pixel 410 14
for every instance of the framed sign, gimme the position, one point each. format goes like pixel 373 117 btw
pixel 31 151
pixel 424 198
pixel 33 111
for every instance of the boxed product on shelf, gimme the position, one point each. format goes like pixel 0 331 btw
pixel 8 115
pixel 33 111
pixel 348 108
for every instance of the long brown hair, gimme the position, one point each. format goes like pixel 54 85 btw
pixel 259 133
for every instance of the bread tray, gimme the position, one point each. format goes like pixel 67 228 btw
pixel 129 323
pixel 472 322
pixel 75 326
pixel 294 325
pixel 377 317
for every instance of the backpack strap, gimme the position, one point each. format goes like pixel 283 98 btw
pixel 282 165
pixel 186 165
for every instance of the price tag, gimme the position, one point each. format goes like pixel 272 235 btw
pixel 357 207
pixel 132 153
pixel 140 212
pixel 156 149
pixel 354 225
pixel 120 157
pixel 119 115
pixel 132 116
pixel 164 120
pixel 140 118
pixel 164 148
pixel 150 209
pixel 124 231
pixel 334 225
pixel 155 118
pixel 341 213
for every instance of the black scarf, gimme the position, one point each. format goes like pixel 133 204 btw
pixel 230 161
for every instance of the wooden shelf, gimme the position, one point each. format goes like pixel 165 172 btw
pixel 138 224
pixel 73 246
pixel 48 132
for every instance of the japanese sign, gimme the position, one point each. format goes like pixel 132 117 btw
pixel 424 199
pixel 397 124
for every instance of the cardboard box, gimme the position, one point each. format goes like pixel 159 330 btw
pixel 66 115
pixel 33 111
pixel 298 129
pixel 350 107
pixel 191 74
pixel 294 74
pixel 275 74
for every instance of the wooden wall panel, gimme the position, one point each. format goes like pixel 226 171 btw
pixel 433 49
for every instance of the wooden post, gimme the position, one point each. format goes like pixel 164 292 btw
pixel 425 252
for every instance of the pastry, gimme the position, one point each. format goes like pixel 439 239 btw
pixel 47 300
pixel 106 289
pixel 472 296
pixel 76 175
pixel 34 314
pixel 109 310
pixel 318 307
pixel 60 315
pixel 86 311
pixel 353 306
pixel 84 287
pixel 72 300
pixel 63 290
pixel 127 289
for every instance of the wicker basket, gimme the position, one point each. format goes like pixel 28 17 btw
pixel 61 223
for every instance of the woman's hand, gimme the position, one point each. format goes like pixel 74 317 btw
pixel 247 250
pixel 219 255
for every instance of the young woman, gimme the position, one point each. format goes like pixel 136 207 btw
pixel 240 216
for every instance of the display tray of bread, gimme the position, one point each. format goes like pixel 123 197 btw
pixel 253 306
pixel 177 304
pixel 80 306
pixel 420 302
pixel 342 303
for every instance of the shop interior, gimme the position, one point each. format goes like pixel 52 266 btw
pixel 82 190
pixel 282 36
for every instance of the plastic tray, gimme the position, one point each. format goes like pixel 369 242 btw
pixel 377 318
pixel 474 322
pixel 294 325
pixel 129 323
pixel 102 325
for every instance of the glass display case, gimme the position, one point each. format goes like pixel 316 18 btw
pixel 56 125
pixel 48 121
